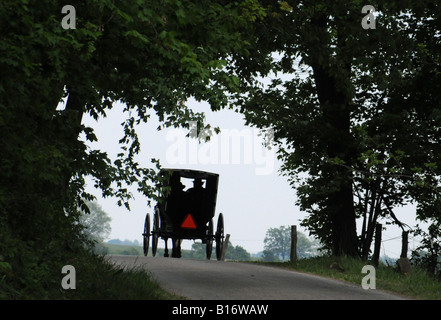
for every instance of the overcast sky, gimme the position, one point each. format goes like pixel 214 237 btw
pixel 252 194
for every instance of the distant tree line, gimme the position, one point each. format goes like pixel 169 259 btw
pixel 125 242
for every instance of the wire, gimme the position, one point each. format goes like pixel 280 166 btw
pixel 395 238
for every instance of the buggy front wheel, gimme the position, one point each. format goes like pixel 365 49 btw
pixel 219 236
pixel 146 234
pixel 155 232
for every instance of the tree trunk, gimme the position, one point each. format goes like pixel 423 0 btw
pixel 335 104
pixel 344 227
pixel 338 143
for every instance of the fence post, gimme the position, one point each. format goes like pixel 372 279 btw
pixel 225 246
pixel 376 257
pixel 293 255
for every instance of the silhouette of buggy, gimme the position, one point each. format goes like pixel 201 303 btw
pixel 185 214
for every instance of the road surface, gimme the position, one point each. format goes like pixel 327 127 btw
pixel 224 280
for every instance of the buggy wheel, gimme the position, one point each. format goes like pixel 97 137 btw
pixel 146 234
pixel 209 239
pixel 219 236
pixel 155 232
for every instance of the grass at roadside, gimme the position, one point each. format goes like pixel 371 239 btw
pixel 93 277
pixel 417 284
pixel 99 280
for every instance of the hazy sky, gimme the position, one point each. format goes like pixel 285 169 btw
pixel 252 195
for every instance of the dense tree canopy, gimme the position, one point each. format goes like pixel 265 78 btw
pixel 356 111
pixel 150 55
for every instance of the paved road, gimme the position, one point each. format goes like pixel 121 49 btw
pixel 223 280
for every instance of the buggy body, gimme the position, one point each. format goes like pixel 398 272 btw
pixel 185 212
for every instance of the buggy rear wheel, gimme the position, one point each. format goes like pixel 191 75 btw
pixel 155 232
pixel 146 234
pixel 219 236
pixel 209 239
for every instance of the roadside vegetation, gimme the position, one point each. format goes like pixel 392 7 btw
pixel 37 273
pixel 96 279
pixel 418 284
pixel 423 282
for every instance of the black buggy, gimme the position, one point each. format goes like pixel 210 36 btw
pixel 186 213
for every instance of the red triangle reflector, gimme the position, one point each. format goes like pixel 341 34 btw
pixel 188 222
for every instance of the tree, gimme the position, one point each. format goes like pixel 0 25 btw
pixel 277 244
pixel 161 54
pixel 355 126
pixel 96 223
pixel 268 255
pixel 427 254
pixel 237 253
pixel 150 55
